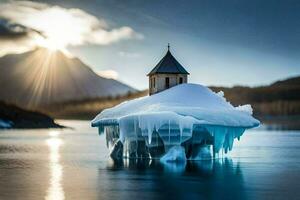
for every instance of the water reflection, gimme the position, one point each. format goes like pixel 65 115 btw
pixel 55 190
pixel 209 179
pixel 205 166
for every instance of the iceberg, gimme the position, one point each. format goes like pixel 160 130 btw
pixel 188 118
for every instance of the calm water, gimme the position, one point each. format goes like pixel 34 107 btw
pixel 74 164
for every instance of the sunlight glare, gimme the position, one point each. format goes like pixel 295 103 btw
pixel 55 189
pixel 54 133
pixel 58 29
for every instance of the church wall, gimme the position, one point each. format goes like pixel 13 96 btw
pixel 160 81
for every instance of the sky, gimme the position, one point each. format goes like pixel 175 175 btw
pixel 221 43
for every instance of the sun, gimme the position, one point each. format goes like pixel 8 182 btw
pixel 51 45
pixel 58 28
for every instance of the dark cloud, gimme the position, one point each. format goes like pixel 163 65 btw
pixel 11 31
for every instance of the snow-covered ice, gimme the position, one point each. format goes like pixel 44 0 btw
pixel 187 115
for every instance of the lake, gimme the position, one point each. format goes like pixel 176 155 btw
pixel 74 164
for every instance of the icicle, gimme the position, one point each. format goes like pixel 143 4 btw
pixel 169 133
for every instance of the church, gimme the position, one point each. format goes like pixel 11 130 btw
pixel 188 121
pixel 167 73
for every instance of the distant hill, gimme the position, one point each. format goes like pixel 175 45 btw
pixel 291 82
pixel 281 98
pixel 277 105
pixel 40 77
pixel 19 118
pixel 87 108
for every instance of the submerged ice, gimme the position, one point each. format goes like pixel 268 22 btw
pixel 187 117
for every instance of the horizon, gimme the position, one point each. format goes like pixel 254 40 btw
pixel 220 46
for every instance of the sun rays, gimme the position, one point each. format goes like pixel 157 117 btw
pixel 47 77
pixel 39 81
pixel 39 71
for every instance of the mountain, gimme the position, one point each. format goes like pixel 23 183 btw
pixel 281 98
pixel 41 77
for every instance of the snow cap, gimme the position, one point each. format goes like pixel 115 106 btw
pixel 194 102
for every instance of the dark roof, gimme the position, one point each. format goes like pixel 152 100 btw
pixel 168 65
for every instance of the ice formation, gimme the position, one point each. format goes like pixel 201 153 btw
pixel 175 154
pixel 5 124
pixel 187 116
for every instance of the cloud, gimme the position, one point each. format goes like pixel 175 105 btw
pixel 39 24
pixel 111 74
pixel 11 30
pixel 15 37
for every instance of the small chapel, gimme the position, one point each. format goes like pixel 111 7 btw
pixel 167 73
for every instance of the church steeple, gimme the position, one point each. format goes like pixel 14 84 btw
pixel 168 65
pixel 167 73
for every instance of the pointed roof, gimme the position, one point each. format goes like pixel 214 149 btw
pixel 168 65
